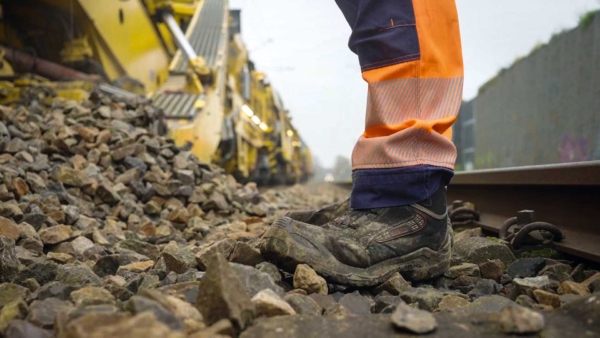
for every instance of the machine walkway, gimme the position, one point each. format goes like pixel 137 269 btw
pixel 207 35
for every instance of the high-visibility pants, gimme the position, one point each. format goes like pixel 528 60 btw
pixel 411 56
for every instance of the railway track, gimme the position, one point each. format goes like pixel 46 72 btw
pixel 565 196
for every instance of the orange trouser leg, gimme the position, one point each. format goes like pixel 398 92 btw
pixel 411 57
pixel 412 105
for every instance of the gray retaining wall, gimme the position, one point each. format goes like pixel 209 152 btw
pixel 544 109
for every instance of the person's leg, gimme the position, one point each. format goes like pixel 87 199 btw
pixel 411 57
pixel 410 54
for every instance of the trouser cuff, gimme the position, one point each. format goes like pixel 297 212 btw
pixel 383 188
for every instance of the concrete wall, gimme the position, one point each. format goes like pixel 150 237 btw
pixel 544 109
pixel 463 137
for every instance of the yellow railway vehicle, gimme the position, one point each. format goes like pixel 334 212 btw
pixel 187 55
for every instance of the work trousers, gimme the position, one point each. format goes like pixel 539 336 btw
pixel 411 56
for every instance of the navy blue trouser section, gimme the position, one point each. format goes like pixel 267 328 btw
pixel 383 188
pixel 384 33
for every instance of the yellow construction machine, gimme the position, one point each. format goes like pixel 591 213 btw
pixel 187 55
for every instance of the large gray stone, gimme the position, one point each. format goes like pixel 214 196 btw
pixel 254 281
pixel 222 295
pixel 479 250
pixel 9 264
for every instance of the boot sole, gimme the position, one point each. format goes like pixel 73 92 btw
pixel 422 264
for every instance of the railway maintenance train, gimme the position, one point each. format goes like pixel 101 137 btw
pixel 186 55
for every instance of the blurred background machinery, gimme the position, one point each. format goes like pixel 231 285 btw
pixel 186 55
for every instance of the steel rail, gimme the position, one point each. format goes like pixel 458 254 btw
pixel 566 195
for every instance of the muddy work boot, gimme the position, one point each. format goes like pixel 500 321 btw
pixel 365 247
pixel 329 213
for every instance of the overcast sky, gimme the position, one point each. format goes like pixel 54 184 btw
pixel 302 46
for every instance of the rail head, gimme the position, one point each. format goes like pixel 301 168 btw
pixel 569 174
